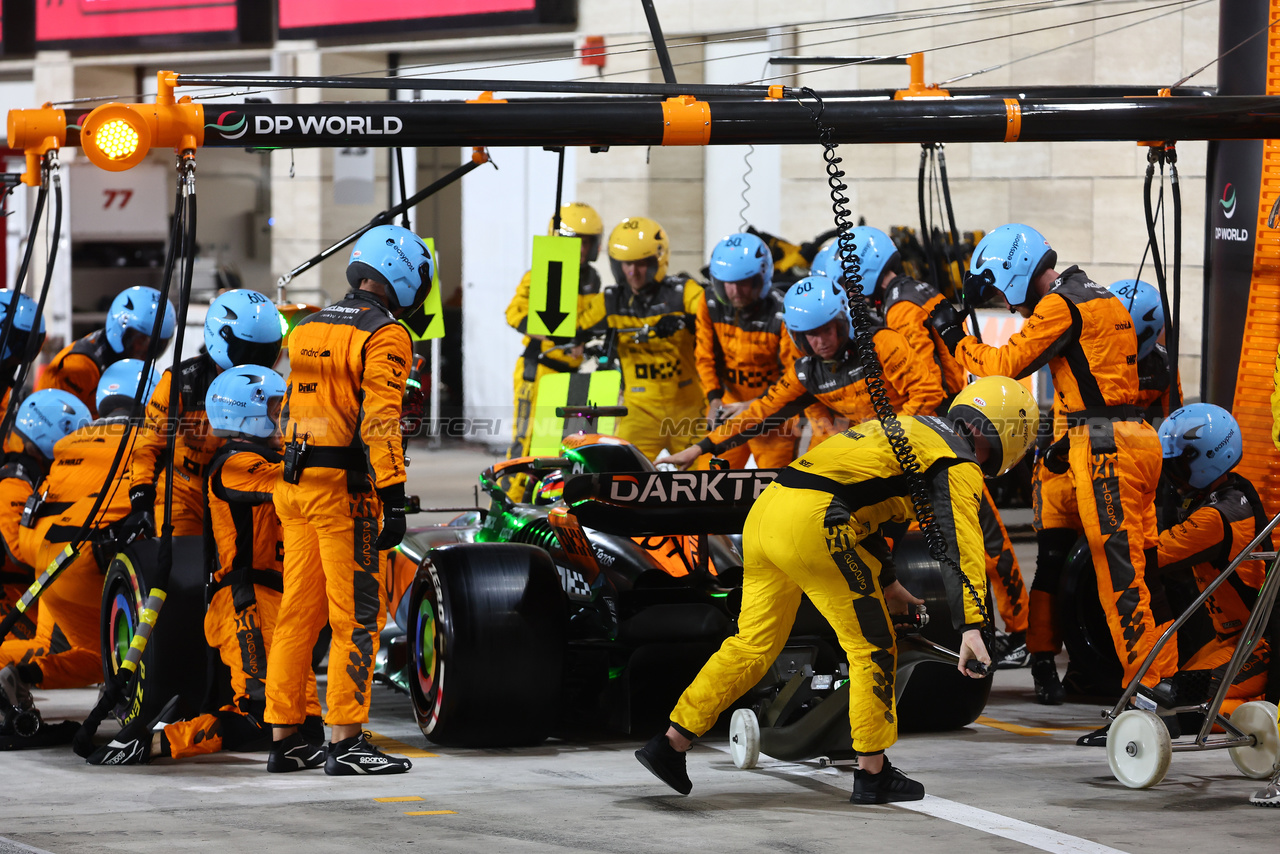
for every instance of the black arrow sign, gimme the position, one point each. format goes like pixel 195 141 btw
pixel 552 316
pixel 419 322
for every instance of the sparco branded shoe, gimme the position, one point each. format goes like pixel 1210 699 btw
pixel 356 755
pixel 1012 651
pixel 1270 796
pixel 295 753
pixel 132 745
pixel 887 787
pixel 666 763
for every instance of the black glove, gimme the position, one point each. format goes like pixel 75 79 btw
pixel 949 325
pixel 1055 457
pixel 668 325
pixel 393 523
pixel 141 521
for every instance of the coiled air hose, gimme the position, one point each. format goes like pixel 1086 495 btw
pixel 1158 154
pixel 865 351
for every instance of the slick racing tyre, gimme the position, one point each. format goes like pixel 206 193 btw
pixel 174 661
pixel 937 697
pixel 487 627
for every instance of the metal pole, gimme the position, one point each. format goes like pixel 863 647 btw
pixel 435 394
pixel 659 43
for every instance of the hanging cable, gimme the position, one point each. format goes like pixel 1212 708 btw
pixel 6 328
pixel 1174 320
pixel 117 687
pixel 863 347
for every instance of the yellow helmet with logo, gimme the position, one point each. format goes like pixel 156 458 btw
pixel 1002 412
pixel 637 238
pixel 581 221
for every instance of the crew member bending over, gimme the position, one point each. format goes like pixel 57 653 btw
pixel 816 530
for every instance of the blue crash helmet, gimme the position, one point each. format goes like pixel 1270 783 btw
pixel 242 328
pixel 397 258
pixel 47 416
pixel 810 304
pixel 135 309
pixel 1200 442
pixel 123 379
pixel 737 258
pixel 239 401
pixel 23 322
pixel 1009 259
pixel 1143 302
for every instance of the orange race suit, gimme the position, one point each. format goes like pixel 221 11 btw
pixel 660 386
pixel 1085 335
pixel 541 356
pixel 247 554
pixel 828 391
pixel 741 352
pixel 905 304
pixel 19 476
pixel 193 449
pixel 67 649
pixel 78 367
pixel 348 364
pixel 816 530
pixel 1210 532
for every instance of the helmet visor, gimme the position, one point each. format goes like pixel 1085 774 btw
pixel 242 352
pixel 977 288
pixel 739 293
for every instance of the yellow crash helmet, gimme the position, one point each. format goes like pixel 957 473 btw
pixel 581 221
pixel 1003 412
pixel 637 238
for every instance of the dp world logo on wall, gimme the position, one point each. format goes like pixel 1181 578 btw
pixel 1228 201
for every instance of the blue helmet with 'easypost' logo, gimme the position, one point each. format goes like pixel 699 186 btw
pixel 239 401
pixel 739 258
pixel 123 380
pixel 135 309
pixel 810 304
pixel 47 416
pixel 1009 259
pixel 1200 442
pixel 242 328
pixel 397 258
pixel 1143 302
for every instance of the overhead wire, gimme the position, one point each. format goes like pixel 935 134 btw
pixel 1090 38
pixel 970 42
pixel 980 10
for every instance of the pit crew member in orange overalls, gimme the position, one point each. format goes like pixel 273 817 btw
pixel 816 311
pixel 743 344
pixel 127 335
pixel 343 468
pixel 1101 474
pixel 652 317
pixel 905 305
pixel 66 651
pixel 816 530
pixel 243 407
pixel 242 328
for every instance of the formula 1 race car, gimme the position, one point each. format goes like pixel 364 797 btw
pixel 594 588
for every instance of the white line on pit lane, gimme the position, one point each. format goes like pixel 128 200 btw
pixel 955 812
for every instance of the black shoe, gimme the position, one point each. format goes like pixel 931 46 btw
pixel 1044 672
pixel 1098 738
pixel 356 755
pixel 295 753
pixel 666 763
pixel 132 745
pixel 887 787
pixel 1014 656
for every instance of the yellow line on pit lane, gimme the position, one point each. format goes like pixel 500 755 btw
pixel 399 748
pixel 1030 732
pixel 399 800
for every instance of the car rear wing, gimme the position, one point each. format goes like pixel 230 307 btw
pixel 637 504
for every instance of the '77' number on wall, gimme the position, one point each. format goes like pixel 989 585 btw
pixel 112 195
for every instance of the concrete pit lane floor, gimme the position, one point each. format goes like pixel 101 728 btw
pixel 1014 781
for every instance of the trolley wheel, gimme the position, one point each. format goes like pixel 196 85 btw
pixel 1257 719
pixel 744 739
pixel 1138 748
